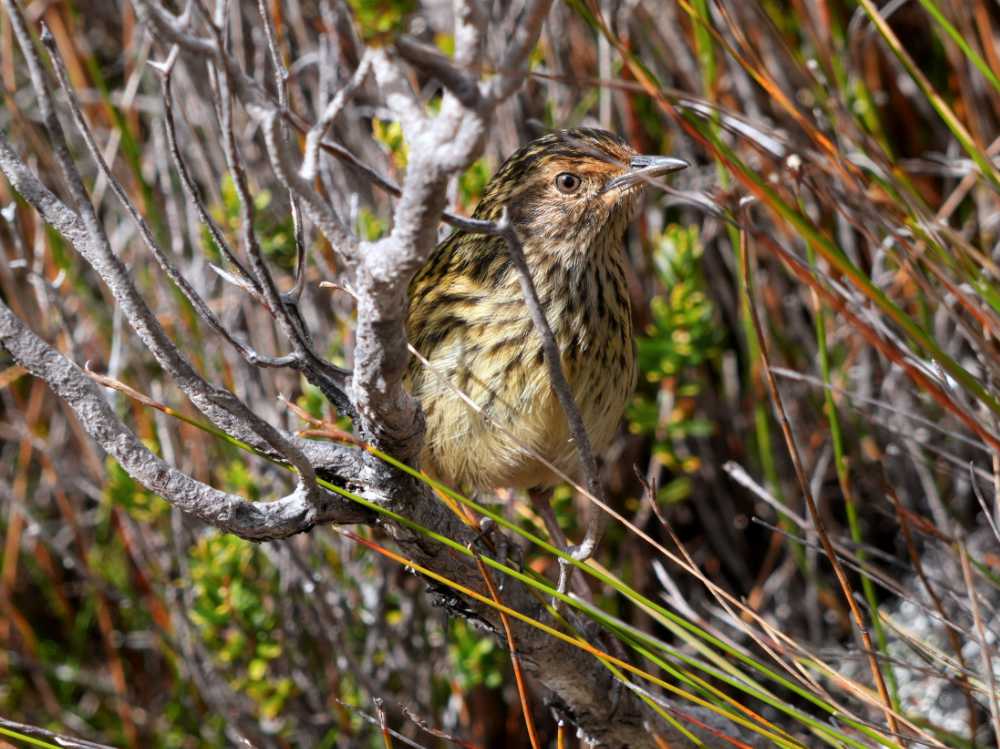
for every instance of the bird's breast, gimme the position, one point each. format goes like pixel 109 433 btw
pixel 488 397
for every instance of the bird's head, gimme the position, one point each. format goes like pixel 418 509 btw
pixel 570 187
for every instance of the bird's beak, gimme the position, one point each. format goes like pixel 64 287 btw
pixel 645 168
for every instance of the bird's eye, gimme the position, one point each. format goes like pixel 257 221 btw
pixel 567 183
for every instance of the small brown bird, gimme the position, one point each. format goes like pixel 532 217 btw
pixel 570 196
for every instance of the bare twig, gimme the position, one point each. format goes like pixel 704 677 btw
pixel 291 297
pixel 164 262
pixel 459 82
pixel 331 380
pixel 166 69
pixel 316 133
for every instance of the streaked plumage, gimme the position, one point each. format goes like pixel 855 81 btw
pixel 468 318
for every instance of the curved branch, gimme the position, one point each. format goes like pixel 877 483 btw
pixel 220 406
pixel 256 521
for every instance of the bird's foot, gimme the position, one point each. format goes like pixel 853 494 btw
pixel 579 553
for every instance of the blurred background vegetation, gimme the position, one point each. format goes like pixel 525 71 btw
pixel 866 139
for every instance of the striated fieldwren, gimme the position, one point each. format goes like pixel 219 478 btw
pixel 570 196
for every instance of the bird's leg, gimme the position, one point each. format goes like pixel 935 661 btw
pixel 516 546
pixel 540 500
pixel 497 541
pixel 596 525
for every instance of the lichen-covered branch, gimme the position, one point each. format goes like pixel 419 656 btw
pixel 258 521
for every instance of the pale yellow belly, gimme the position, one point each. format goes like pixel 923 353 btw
pixel 514 433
